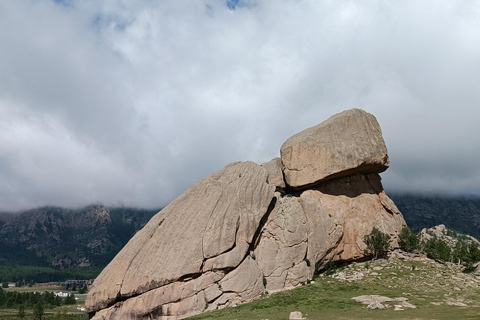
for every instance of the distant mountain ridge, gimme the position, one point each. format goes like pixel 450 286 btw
pixel 62 238
pixel 93 235
pixel 460 213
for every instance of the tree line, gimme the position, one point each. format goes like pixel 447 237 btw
pixel 14 299
pixel 31 274
pixel 464 252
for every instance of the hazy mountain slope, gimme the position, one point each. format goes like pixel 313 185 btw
pixel 52 236
pixel 457 213
pixel 59 237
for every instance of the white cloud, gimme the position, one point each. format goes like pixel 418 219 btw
pixel 133 101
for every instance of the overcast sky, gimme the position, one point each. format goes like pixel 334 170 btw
pixel 130 102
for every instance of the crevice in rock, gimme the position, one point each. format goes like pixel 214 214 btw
pixel 263 221
pixel 387 208
pixel 189 277
pixel 363 169
pixel 377 187
pixel 255 239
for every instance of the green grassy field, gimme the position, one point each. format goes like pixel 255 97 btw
pixel 432 288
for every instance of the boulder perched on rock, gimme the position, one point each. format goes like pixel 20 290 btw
pixel 347 143
pixel 231 236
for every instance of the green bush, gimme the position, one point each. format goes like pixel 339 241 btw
pixel 408 240
pixel 377 243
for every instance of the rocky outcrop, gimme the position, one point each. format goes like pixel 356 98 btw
pixel 231 236
pixel 275 173
pixel 347 143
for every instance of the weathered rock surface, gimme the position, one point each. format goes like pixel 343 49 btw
pixel 283 246
pixel 213 217
pixel 351 207
pixel 275 173
pixel 347 143
pixel 295 315
pixel 230 236
pixel 378 302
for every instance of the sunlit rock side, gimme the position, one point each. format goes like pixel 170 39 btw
pixel 198 231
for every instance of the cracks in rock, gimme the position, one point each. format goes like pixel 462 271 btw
pixel 263 221
pixel 387 208
pixel 189 277
pixel 207 225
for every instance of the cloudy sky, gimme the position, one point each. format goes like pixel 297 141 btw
pixel 129 102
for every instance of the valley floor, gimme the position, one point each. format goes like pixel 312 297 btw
pixel 69 312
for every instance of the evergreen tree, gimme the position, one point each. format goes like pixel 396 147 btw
pixel 437 249
pixel 60 314
pixel 38 311
pixel 377 243
pixel 21 312
pixel 408 240
pixel 70 299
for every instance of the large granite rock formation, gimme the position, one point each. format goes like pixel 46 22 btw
pixel 231 236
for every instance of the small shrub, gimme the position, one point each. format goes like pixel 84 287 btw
pixel 281 190
pixel 307 262
pixel 317 269
pixel 330 267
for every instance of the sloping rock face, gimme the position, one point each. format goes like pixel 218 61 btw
pixel 209 227
pixel 347 143
pixel 231 236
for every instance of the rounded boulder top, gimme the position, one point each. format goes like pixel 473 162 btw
pixel 347 143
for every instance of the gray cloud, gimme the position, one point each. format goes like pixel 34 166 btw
pixel 130 102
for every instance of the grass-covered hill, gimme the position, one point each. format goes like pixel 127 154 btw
pixel 436 290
